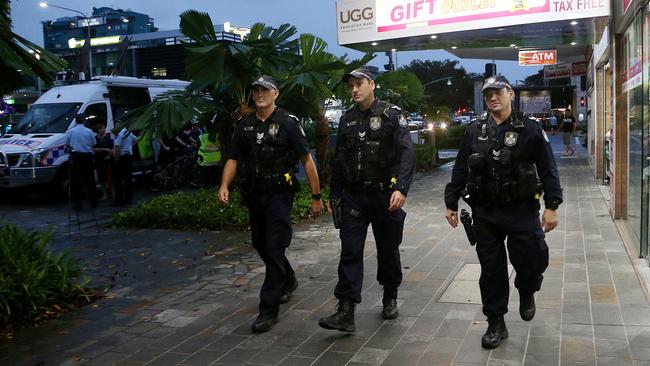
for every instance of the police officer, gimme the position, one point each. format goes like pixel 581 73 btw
pixel 81 142
pixel 266 147
pixel 499 162
pixel 372 170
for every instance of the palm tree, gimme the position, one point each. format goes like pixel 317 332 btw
pixel 402 88
pixel 18 55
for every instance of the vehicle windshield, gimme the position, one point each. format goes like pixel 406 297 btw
pixel 47 118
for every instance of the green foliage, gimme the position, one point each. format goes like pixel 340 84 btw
pixel 424 153
pixel 33 279
pixel 17 53
pixel 457 131
pixel 402 88
pixel 200 210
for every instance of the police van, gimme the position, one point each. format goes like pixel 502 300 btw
pixel 33 152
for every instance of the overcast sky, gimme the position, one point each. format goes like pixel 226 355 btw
pixel 309 16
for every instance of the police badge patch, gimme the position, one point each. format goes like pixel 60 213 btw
pixel 402 121
pixel 375 123
pixel 511 138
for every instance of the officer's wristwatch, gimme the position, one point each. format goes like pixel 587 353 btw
pixel 316 196
pixel 553 205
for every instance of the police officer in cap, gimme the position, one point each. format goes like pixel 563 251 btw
pixel 266 147
pixel 372 170
pixel 81 142
pixel 504 164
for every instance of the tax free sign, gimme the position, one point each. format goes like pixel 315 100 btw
pixel 374 20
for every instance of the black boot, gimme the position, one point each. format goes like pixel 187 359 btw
pixel 343 319
pixel 265 321
pixel 527 307
pixel 288 292
pixel 390 303
pixel 496 332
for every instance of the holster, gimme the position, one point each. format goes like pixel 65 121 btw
pixel 466 220
pixel 336 212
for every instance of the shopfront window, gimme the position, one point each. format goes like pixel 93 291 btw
pixel 633 85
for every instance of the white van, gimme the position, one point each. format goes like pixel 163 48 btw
pixel 33 151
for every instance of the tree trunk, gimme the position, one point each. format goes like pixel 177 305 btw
pixel 321 143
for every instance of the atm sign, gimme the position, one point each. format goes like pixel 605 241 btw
pixel 537 58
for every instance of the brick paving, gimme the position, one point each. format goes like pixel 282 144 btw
pixel 191 298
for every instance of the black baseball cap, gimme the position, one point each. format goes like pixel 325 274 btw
pixel 266 81
pixel 359 73
pixel 496 82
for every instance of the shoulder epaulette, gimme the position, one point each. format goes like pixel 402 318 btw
pixel 294 117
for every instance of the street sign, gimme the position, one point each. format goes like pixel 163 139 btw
pixel 557 71
pixel 537 57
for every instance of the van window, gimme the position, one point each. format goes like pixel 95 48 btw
pixel 47 118
pixel 96 115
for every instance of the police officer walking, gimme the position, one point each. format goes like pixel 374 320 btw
pixel 81 142
pixel 501 160
pixel 267 145
pixel 372 170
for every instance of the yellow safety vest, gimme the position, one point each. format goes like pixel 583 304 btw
pixel 209 151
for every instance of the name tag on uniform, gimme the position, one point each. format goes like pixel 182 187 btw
pixel 248 128
pixel 353 123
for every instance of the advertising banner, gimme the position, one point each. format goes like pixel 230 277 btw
pixel 557 71
pixel 537 57
pixel 373 20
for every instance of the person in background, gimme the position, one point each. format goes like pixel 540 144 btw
pixel 81 140
pixel 103 159
pixel 209 155
pixel 568 131
pixel 123 152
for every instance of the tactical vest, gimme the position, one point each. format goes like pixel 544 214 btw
pixel 209 152
pixel 270 165
pixel 368 152
pixel 501 176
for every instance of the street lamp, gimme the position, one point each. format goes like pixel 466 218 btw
pixel 448 78
pixel 87 19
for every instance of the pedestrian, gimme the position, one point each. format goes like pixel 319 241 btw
pixel 372 169
pixel 123 178
pixel 209 155
pixel 553 123
pixel 81 141
pixel 266 147
pixel 103 150
pixel 568 131
pixel 496 171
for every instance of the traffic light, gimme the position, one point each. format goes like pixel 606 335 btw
pixel 582 101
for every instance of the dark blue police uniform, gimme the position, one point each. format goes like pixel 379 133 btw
pixel 374 156
pixel 504 168
pixel 267 154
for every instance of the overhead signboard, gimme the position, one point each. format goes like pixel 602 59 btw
pixel 557 71
pixel 537 57
pixel 579 68
pixel 361 21
pixel 100 41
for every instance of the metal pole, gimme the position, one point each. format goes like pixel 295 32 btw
pixel 90 50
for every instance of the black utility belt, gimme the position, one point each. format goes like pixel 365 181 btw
pixel 81 154
pixel 361 187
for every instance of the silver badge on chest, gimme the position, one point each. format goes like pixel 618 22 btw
pixel 402 121
pixel 273 130
pixel 375 123
pixel 511 138
pixel 260 136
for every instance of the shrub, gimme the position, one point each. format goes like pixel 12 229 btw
pixel 424 154
pixel 199 210
pixel 33 279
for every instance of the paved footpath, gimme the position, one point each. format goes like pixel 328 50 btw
pixel 190 298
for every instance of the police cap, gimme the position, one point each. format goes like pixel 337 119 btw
pixel 496 82
pixel 266 82
pixel 359 73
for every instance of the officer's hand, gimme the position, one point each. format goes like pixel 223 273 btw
pixel 549 220
pixel 452 218
pixel 397 200
pixel 223 195
pixel 317 207
pixel 329 207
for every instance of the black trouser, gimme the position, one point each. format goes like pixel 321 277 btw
pixel 526 248
pixel 358 211
pixel 270 220
pixel 124 179
pixel 82 178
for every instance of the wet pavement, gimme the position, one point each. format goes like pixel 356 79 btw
pixel 188 298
